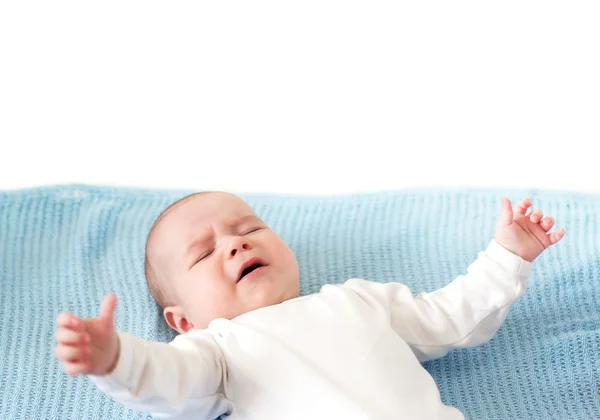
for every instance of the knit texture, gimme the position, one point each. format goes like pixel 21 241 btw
pixel 62 248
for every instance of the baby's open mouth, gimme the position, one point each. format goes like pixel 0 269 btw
pixel 250 266
pixel 250 269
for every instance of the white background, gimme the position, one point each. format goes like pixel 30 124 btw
pixel 300 97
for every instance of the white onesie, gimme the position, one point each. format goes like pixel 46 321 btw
pixel 351 351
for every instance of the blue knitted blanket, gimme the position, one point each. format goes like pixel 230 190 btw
pixel 63 247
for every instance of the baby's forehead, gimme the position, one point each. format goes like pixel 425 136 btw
pixel 186 219
pixel 205 210
pixel 214 206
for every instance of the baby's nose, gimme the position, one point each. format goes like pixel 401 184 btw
pixel 237 246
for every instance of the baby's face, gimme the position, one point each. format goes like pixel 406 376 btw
pixel 221 261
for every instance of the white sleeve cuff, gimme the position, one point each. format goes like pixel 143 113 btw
pixel 512 262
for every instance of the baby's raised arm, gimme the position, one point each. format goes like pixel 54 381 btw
pixel 469 310
pixel 163 379
pixel 465 313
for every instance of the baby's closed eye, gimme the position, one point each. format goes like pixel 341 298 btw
pixel 205 255
pixel 252 230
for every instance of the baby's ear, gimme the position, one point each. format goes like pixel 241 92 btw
pixel 175 317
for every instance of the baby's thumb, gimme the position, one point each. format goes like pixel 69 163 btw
pixel 506 217
pixel 107 309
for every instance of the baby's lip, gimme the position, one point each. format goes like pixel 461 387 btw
pixel 248 263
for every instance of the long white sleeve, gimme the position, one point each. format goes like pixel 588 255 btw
pixel 465 313
pixel 184 377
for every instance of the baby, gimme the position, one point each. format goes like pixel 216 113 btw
pixel 250 348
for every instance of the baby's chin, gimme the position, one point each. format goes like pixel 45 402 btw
pixel 269 287
pixel 247 301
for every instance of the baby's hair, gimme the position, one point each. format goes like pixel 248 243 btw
pixel 156 285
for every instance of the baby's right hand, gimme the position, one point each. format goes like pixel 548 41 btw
pixel 88 346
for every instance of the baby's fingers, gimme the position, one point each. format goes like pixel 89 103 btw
pixel 556 236
pixel 70 337
pixel 78 368
pixel 547 223
pixel 68 320
pixel 522 206
pixel 71 353
pixel 536 215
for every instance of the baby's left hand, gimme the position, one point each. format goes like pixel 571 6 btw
pixel 525 235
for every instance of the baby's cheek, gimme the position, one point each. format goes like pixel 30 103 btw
pixel 212 300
